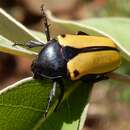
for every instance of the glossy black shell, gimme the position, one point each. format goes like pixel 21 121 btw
pixel 50 62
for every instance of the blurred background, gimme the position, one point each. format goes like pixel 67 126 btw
pixel 107 111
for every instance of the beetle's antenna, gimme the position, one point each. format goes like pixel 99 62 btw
pixel 47 32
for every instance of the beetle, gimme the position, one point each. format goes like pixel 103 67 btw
pixel 73 57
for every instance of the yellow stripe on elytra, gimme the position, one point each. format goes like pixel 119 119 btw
pixel 81 41
pixel 93 63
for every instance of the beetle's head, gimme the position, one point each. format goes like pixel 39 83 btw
pixel 50 62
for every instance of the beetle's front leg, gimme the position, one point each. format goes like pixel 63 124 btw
pixel 51 95
pixel 30 44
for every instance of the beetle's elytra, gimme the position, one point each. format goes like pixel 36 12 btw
pixel 73 57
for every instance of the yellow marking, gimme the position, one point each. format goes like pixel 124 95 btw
pixel 81 41
pixel 93 63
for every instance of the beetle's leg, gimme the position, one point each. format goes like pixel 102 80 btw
pixel 81 33
pixel 61 85
pixel 100 78
pixel 51 95
pixel 30 44
pixel 95 78
pixel 46 25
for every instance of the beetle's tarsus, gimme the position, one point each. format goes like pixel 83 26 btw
pixel 46 25
pixel 51 95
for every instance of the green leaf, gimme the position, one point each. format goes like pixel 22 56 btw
pixel 15 31
pixel 40 35
pixel 11 31
pixel 22 106
pixel 7 46
pixel 117 29
pixel 69 113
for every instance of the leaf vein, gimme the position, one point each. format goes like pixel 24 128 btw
pixel 21 106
